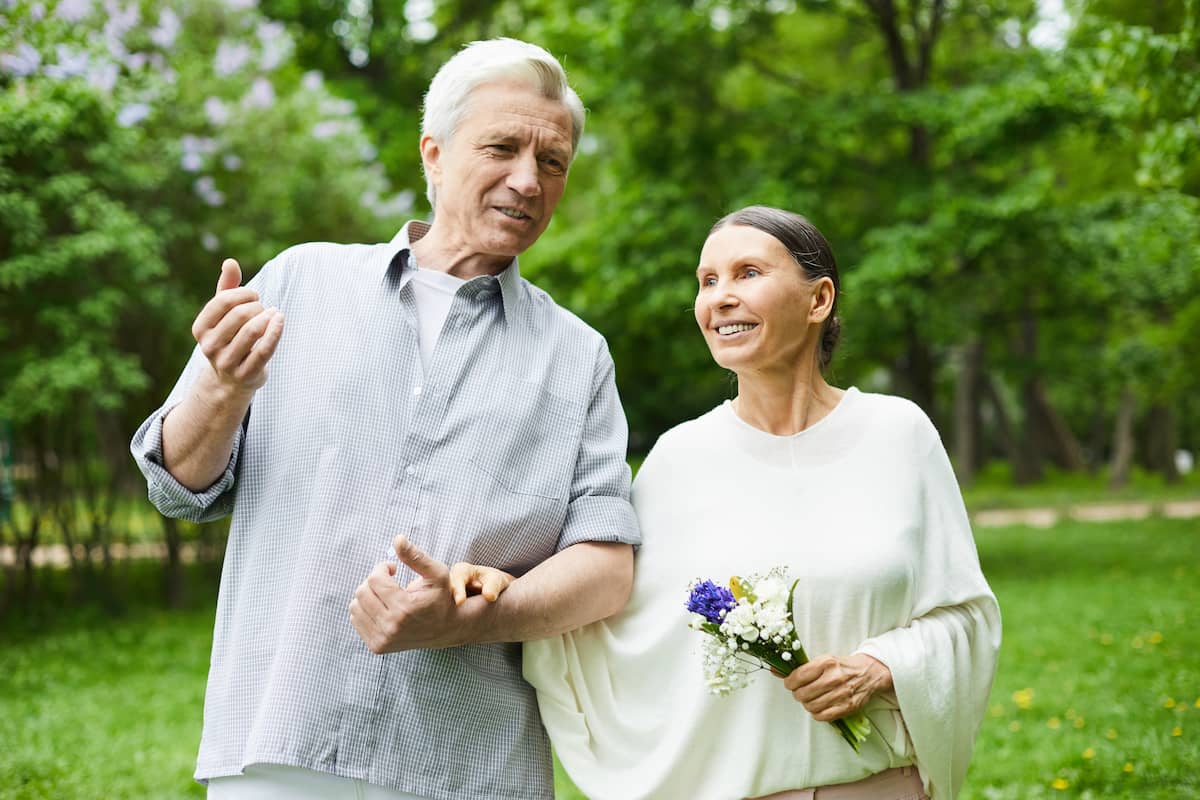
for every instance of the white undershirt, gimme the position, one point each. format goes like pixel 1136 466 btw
pixel 433 292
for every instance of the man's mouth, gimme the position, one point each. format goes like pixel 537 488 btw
pixel 513 213
pixel 736 327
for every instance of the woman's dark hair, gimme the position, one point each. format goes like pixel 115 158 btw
pixel 808 247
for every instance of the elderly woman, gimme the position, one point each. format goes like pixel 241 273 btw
pixel 852 493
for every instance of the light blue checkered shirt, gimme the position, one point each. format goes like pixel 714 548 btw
pixel 510 448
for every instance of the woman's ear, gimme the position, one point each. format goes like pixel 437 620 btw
pixel 823 295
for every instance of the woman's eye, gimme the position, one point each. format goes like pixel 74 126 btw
pixel 752 273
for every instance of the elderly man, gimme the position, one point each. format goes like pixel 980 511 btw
pixel 424 400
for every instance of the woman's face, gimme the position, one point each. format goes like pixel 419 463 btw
pixel 754 305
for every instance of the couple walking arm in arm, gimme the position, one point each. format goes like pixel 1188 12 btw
pixel 423 456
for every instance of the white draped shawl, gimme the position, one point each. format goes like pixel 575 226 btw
pixel 864 509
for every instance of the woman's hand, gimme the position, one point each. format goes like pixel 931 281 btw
pixel 830 687
pixel 467 579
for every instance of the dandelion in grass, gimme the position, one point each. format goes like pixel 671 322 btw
pixel 749 628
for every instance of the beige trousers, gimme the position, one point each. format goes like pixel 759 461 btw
pixel 901 783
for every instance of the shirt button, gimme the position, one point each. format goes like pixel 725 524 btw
pixel 416 391
pixel 410 470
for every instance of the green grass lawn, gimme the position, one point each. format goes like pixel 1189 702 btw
pixel 1098 694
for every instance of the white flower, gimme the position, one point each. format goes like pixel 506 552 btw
pixel 72 63
pixel 209 241
pixel 103 75
pixel 132 114
pixel 231 162
pixel 327 129
pixel 275 43
pixel 23 62
pixel 230 57
pixel 206 188
pixel 167 30
pixel 261 94
pixel 216 111
pixel 73 10
pixel 312 81
pixel 120 20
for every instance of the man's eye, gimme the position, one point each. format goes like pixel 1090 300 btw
pixel 752 273
pixel 708 281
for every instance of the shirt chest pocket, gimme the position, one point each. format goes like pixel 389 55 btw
pixel 527 439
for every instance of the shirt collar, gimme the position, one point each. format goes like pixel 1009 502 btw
pixel 399 266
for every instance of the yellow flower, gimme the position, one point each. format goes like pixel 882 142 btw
pixel 1137 642
pixel 1156 637
pixel 1111 733
pixel 1089 753
pixel 1177 731
pixel 1014 726
pixel 1078 722
pixel 1070 713
pixel 1023 698
pixel 1128 767
pixel 1198 702
pixel 1060 783
pixel 1170 703
pixel 1053 723
pixel 997 710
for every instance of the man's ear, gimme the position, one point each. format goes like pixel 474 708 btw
pixel 823 295
pixel 431 153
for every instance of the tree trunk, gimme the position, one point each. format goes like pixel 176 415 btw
pixel 1004 426
pixel 966 412
pixel 1064 447
pixel 1122 445
pixel 1163 441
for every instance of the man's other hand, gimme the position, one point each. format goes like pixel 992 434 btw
pixel 424 614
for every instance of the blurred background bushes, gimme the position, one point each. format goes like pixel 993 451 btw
pixel 1011 189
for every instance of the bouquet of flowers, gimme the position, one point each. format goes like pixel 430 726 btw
pixel 749 627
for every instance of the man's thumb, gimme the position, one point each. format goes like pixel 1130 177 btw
pixel 231 275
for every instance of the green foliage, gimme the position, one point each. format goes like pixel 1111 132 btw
pixel 140 143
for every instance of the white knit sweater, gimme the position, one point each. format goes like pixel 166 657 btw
pixel 864 509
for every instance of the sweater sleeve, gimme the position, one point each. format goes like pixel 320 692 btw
pixel 944 661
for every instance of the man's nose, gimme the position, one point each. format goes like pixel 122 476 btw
pixel 523 178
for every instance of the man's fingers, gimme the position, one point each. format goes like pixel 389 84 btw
pixel 460 576
pixel 415 559
pixel 494 582
pixel 231 275
pixel 250 327
pixel 264 347
pixel 218 307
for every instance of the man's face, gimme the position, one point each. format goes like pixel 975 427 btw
pixel 502 173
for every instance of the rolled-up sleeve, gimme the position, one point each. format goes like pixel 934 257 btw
pixel 598 509
pixel 168 495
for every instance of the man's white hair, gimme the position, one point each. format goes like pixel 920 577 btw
pixel 488 61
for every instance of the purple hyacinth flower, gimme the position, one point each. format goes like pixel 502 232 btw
pixel 710 601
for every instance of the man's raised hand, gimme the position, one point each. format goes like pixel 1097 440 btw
pixel 236 334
